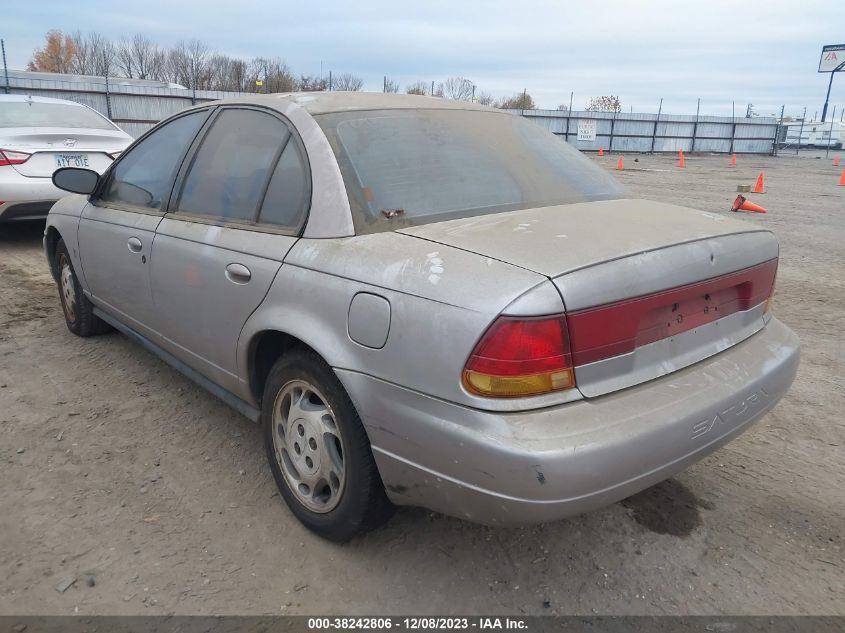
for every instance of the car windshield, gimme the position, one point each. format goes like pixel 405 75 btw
pixel 39 114
pixel 407 167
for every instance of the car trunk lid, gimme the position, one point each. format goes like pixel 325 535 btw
pixel 51 148
pixel 648 287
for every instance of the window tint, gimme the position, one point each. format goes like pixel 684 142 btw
pixel 287 196
pixel 231 167
pixel 143 177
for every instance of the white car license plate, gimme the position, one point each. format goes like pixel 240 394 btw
pixel 71 160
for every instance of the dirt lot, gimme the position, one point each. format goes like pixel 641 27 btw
pixel 116 467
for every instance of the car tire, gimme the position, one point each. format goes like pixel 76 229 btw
pixel 318 450
pixel 78 310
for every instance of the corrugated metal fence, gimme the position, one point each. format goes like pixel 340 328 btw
pixel 634 132
pixel 136 108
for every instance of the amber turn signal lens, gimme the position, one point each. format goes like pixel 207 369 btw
pixel 516 386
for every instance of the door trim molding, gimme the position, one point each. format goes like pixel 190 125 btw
pixel 241 406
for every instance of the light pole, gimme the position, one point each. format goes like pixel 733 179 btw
pixel 829 85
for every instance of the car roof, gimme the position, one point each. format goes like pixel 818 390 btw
pixel 337 101
pixel 35 99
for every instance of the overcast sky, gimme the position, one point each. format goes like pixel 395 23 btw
pixel 719 50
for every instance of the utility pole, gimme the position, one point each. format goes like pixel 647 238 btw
pixel 193 81
pixel 829 85
pixel 695 125
pixel 830 135
pixel 5 68
pixel 801 131
pixel 733 125
pixel 656 121
pixel 108 97
pixel 777 131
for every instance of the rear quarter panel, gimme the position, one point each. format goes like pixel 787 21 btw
pixel 442 300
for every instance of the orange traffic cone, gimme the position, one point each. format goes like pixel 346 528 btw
pixel 601 151
pixel 742 204
pixel 758 188
pixel 620 164
pixel 842 179
pixel 733 160
pixel 836 161
pixel 681 158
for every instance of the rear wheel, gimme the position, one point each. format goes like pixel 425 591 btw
pixel 78 310
pixel 318 450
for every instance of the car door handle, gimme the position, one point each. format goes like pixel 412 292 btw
pixel 238 273
pixel 134 244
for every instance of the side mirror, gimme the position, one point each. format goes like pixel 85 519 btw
pixel 76 180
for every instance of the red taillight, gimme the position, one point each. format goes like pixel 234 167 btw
pixel 619 328
pixel 8 157
pixel 521 356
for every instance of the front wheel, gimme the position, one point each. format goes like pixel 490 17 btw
pixel 318 450
pixel 78 310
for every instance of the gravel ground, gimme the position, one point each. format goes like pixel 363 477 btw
pixel 125 489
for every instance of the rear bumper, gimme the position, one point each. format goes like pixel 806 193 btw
pixel 543 465
pixel 25 198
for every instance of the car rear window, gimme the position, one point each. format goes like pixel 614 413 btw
pixel 407 167
pixel 37 114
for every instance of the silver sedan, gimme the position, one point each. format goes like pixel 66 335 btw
pixel 39 135
pixel 425 302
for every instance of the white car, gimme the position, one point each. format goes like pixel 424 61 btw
pixel 39 135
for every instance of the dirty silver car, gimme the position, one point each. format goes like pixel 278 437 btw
pixel 425 302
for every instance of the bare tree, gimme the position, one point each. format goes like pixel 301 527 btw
pixel 229 74
pixel 347 81
pixel 520 101
pixel 563 107
pixel 458 88
pixel 311 83
pixel 485 98
pixel 94 54
pixel 273 72
pixel 417 88
pixel 605 103
pixel 140 58
pixel 390 85
pixel 177 66
pixel 187 64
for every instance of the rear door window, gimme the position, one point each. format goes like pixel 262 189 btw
pixel 230 171
pixel 288 195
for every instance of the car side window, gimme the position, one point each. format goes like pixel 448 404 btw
pixel 144 176
pixel 289 192
pixel 229 172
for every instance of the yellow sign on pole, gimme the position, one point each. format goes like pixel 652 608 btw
pixel 259 82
